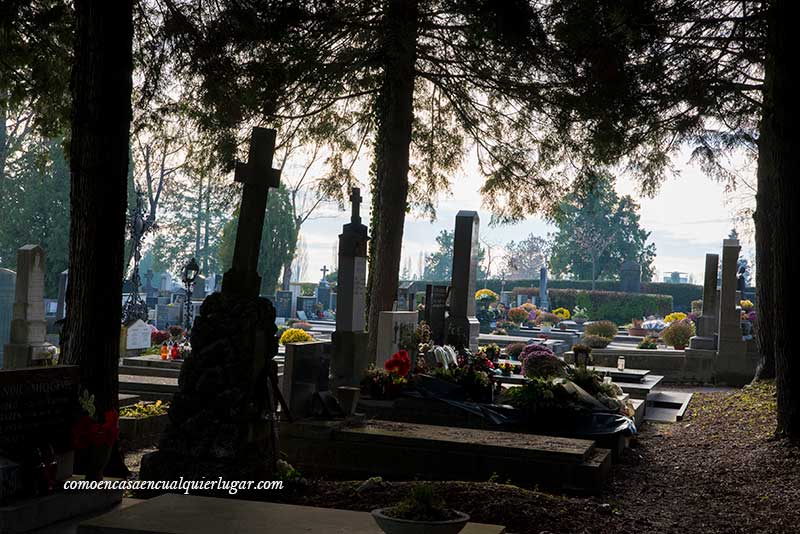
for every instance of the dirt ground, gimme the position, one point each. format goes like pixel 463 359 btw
pixel 718 471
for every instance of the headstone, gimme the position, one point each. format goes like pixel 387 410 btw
pixel 630 277
pixel 732 350
pixel 8 284
pixel 137 336
pixel 323 294
pixel 166 283
pixel 506 297
pixel 462 321
pixel 61 308
pixel 307 305
pixel 168 315
pixel 27 346
pixel 149 290
pixel 305 372
pixel 283 304
pixel 223 418
pixel 332 305
pixel 522 299
pixel 37 409
pixel 350 358
pixel 393 328
pixel 544 303
pixel 708 322
pixel 435 308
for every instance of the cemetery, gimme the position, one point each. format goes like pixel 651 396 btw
pixel 211 319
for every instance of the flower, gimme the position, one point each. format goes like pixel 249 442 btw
pixel 562 313
pixel 295 335
pixel 674 316
pixel 746 304
pixel 486 295
pixel 517 315
pixel 399 364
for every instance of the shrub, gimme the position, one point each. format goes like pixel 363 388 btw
pixel 605 329
pixel 595 342
pixel 514 350
pixel 175 330
pixel 538 361
pixel 295 335
pixel 678 333
pixel 157 337
pixel 648 343
pixel 547 317
pixel 517 315
pixel 613 305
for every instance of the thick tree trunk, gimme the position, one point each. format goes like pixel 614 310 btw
pixel 782 161
pixel 101 115
pixel 395 115
pixel 286 281
pixel 765 206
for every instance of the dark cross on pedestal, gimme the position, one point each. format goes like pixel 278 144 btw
pixel 324 271
pixel 258 176
pixel 355 198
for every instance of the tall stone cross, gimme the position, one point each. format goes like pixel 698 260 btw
pixel 257 176
pixel 324 271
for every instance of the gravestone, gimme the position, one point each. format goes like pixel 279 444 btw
pixel 307 305
pixel 305 372
pixel 707 323
pixel 732 360
pixel 137 336
pixel 37 409
pixel 61 308
pixel 349 357
pixel 223 419
pixel 165 285
pixel 332 305
pixel 544 303
pixel 393 328
pixel 27 346
pixel 506 297
pixel 168 315
pixel 149 290
pixel 630 277
pixel 283 304
pixel 323 291
pixel 435 308
pixel 462 322
pixel 8 284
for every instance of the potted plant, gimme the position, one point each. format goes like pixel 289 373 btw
pixel 422 511
pixel 517 315
pixel 94 437
pixel 648 343
pixel 678 333
pixel 506 369
pixel 580 315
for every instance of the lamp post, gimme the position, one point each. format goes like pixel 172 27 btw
pixel 190 272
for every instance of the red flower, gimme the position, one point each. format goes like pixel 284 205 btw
pixel 399 363
pixel 87 431
pixel 84 431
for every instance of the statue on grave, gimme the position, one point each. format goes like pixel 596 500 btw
pixel 223 420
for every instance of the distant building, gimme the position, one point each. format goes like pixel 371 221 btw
pixel 676 277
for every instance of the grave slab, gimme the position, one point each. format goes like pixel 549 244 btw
pixel 191 514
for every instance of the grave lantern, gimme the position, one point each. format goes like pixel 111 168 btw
pixel 190 272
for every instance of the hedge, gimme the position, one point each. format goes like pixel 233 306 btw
pixel 612 305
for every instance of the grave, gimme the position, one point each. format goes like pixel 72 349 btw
pixel 393 328
pixel 350 356
pixel 630 279
pixel 307 365
pixel 192 514
pixel 706 338
pixel 323 291
pixel 307 305
pixel 435 308
pixel 222 419
pixel 8 284
pixel 544 303
pixel 137 338
pixel 27 346
pixel 283 304
pixel 406 451
pixel 462 321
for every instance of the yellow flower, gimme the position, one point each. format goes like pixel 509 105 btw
pixel 746 304
pixel 675 316
pixel 486 294
pixel 562 313
pixel 295 335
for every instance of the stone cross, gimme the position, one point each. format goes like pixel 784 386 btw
pixel 257 176
pixel 324 271
pixel 355 198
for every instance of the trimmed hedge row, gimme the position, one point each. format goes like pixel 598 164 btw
pixel 612 305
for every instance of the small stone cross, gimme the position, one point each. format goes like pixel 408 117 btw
pixel 355 198
pixel 324 271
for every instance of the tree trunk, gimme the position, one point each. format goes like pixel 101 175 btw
pixel 765 206
pixel 101 116
pixel 286 281
pixel 782 161
pixel 198 219
pixel 394 115
pixel 206 226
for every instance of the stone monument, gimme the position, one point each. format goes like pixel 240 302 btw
pixel 323 291
pixel 61 307
pixel 707 323
pixel 544 303
pixel 349 357
pixel 27 346
pixel 223 418
pixel 8 283
pixel 462 325
pixel 733 363
pixel 630 277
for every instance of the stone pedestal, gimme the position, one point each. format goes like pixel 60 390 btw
pixel 305 372
pixel 27 346
pixel 219 424
pixel 349 358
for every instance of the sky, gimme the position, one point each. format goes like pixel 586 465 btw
pixel 689 217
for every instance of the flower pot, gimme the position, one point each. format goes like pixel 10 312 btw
pixel 390 525
pixel 579 320
pixel 639 332
pixel 679 347
pixel 97 457
pixel 348 398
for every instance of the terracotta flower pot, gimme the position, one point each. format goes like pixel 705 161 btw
pixel 391 525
